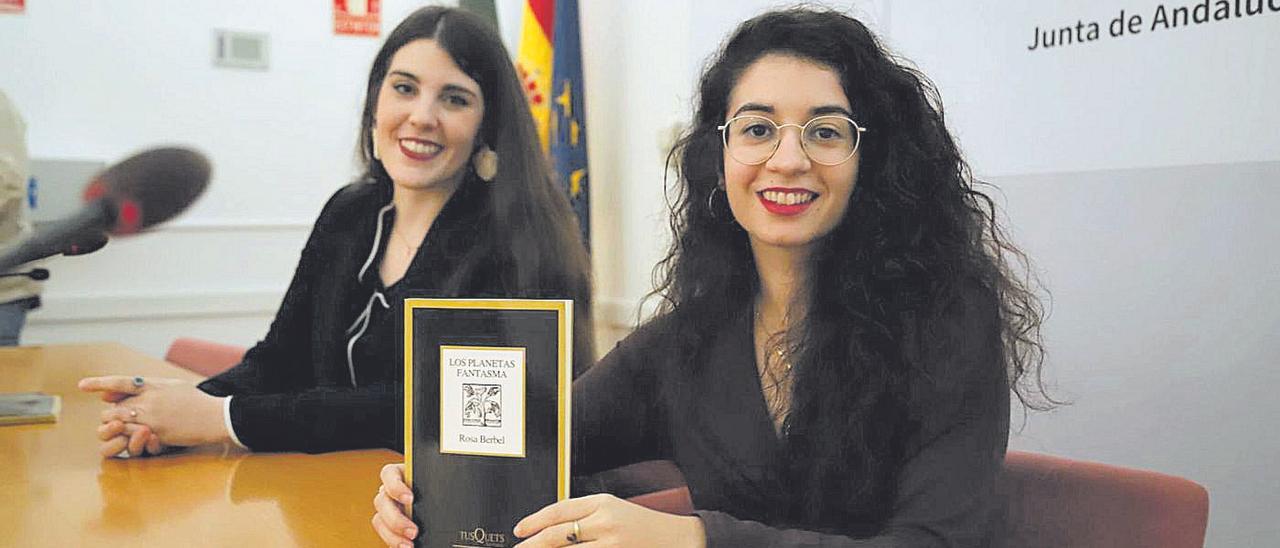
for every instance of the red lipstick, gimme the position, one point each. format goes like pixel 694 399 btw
pixel 420 156
pixel 786 209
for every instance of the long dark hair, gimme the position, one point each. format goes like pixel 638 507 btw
pixel 917 242
pixel 531 229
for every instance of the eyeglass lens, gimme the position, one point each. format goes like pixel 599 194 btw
pixel 827 140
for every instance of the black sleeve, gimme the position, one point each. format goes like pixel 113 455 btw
pixel 321 419
pixel 275 406
pixel 946 492
pixel 281 359
pixel 616 410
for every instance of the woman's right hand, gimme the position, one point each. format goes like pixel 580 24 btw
pixel 390 519
pixel 118 436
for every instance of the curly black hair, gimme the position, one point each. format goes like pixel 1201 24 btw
pixel 918 237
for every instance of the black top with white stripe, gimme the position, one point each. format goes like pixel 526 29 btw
pixel 294 391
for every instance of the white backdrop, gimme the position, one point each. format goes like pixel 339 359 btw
pixel 100 81
pixel 1139 172
pixel 1202 94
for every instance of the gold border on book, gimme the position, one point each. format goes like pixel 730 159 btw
pixel 565 367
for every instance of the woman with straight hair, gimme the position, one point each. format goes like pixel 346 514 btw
pixel 456 200
pixel 839 329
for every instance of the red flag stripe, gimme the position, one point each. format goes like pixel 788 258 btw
pixel 544 11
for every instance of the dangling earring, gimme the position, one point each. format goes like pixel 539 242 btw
pixel 374 139
pixel 485 162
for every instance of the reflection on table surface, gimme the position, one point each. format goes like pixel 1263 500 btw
pixel 56 491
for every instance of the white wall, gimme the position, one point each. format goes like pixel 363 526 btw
pixel 635 95
pixel 1138 172
pixel 1163 326
pixel 1202 94
pixel 101 80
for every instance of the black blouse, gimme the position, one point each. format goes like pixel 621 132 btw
pixel 717 429
pixel 305 386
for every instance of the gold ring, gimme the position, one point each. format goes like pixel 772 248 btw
pixel 576 536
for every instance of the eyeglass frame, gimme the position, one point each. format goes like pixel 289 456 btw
pixel 724 137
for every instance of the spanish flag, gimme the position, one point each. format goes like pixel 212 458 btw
pixel 534 62
pixel 550 67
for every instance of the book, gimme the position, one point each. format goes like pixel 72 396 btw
pixel 487 413
pixel 29 408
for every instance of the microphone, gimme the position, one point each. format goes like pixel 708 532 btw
pixel 142 191
pixel 87 245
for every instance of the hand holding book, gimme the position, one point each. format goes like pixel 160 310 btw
pixel 390 519
pixel 610 521
pixel 600 518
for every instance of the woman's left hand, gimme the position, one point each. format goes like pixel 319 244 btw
pixel 176 411
pixel 606 520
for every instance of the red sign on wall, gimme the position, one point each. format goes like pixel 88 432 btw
pixel 12 6
pixel 356 17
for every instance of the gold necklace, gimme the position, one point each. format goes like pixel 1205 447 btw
pixel 770 342
pixel 409 250
pixel 773 382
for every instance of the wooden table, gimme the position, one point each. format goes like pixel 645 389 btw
pixel 56 491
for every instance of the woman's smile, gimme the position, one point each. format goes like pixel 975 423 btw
pixel 786 201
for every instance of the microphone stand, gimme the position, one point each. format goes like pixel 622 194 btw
pixel 37 274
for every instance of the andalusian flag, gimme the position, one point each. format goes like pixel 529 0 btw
pixel 483 8
pixel 568 131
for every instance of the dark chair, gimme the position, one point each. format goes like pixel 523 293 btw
pixel 655 484
pixel 675 500
pixel 1052 501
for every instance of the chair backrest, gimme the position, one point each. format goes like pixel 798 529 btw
pixel 656 484
pixel 1052 501
pixel 203 357
pixel 675 500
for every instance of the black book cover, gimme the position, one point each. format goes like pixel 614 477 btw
pixel 487 415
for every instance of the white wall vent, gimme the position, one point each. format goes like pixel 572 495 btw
pixel 240 49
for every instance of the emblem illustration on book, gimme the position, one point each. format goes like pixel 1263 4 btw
pixel 482 405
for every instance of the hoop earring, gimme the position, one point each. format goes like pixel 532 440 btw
pixel 710 208
pixel 485 162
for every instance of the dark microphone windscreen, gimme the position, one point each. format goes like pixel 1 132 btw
pixel 151 187
pixel 85 245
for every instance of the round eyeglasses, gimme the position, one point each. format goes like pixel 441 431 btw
pixel 827 140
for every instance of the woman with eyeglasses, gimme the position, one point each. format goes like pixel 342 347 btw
pixel 839 331
pixel 456 200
